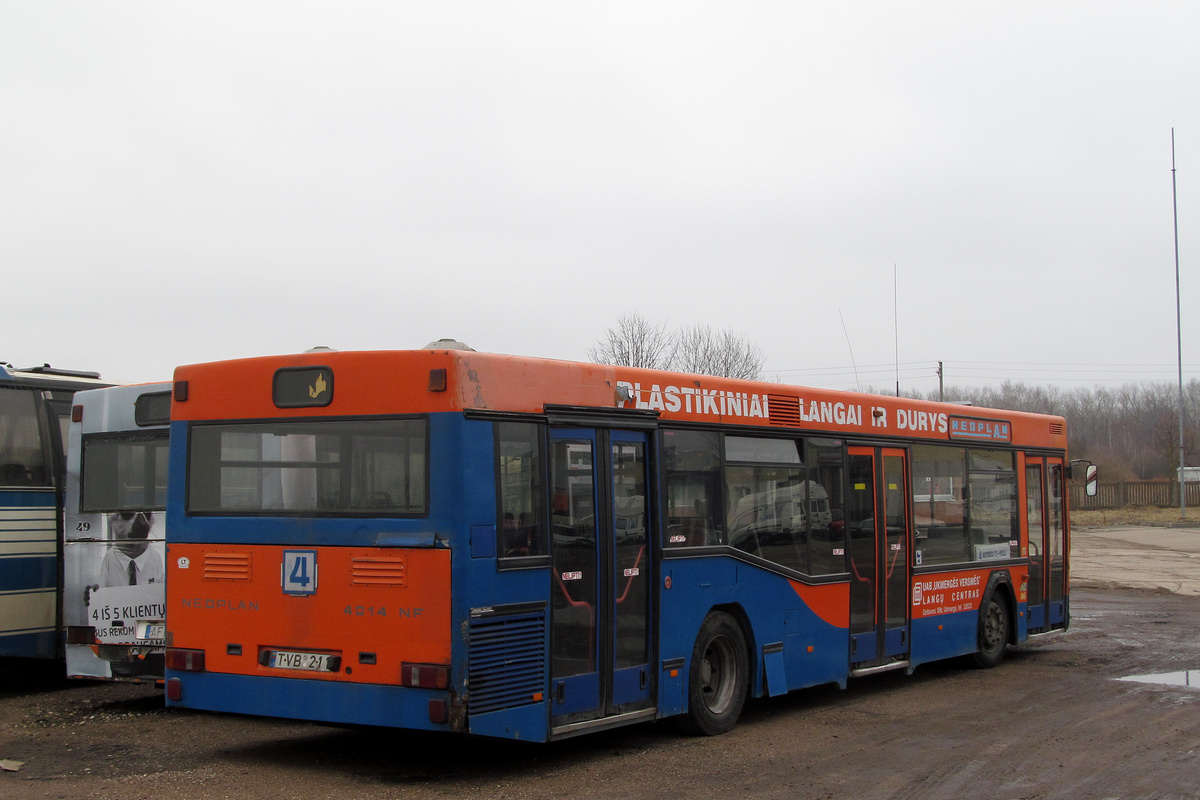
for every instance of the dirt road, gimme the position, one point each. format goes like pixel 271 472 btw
pixel 1052 721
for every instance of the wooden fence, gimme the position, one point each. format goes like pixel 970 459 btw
pixel 1160 494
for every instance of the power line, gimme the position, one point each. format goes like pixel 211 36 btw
pixel 986 372
pixel 932 365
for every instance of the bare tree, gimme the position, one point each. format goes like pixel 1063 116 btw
pixel 704 351
pixel 1166 442
pixel 1133 430
pixel 634 342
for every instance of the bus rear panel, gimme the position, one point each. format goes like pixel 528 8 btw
pixel 114 575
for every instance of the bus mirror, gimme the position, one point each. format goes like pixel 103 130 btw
pixel 1091 478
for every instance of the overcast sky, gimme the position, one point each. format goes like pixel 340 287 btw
pixel 192 182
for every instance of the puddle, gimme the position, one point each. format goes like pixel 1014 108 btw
pixel 1190 678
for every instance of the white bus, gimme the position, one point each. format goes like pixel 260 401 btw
pixel 114 590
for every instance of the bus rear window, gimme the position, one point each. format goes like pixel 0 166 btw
pixel 124 473
pixel 350 467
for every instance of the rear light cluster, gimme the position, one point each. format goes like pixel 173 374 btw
pixel 184 660
pixel 425 676
pixel 81 634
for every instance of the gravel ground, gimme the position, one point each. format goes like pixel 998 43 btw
pixel 1052 721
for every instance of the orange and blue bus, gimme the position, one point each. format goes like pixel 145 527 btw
pixel 114 590
pixel 35 406
pixel 449 540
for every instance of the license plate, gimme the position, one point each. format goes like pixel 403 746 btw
pixel 311 662
pixel 151 630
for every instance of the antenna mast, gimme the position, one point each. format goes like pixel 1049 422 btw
pixel 896 324
pixel 850 348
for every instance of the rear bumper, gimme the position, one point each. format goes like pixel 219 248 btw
pixel 315 700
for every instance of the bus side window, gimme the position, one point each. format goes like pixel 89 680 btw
pixel 826 497
pixel 692 460
pixel 964 505
pixel 522 530
pixel 939 504
pixel 24 454
pixel 992 505
pixel 768 497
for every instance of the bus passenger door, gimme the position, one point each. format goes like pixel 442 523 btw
pixel 1046 598
pixel 1056 549
pixel 600 587
pixel 1035 515
pixel 877 519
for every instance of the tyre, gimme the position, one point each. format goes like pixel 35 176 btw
pixel 994 624
pixel 719 677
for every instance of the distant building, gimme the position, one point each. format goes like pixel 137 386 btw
pixel 1189 474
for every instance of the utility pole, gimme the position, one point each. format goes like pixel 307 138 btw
pixel 941 384
pixel 1179 331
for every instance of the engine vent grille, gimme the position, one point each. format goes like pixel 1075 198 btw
pixel 506 657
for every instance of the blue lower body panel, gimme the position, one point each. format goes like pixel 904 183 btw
pixel 29 607
pixel 1037 616
pixel 29 645
pixel 28 573
pixel 814 651
pixel 526 723
pixel 319 701
pixel 944 636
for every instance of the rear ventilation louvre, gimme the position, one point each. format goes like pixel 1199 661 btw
pixel 379 571
pixel 226 566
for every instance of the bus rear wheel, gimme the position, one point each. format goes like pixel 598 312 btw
pixel 993 631
pixel 719 676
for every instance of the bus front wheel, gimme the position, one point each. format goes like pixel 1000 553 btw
pixel 993 631
pixel 719 676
